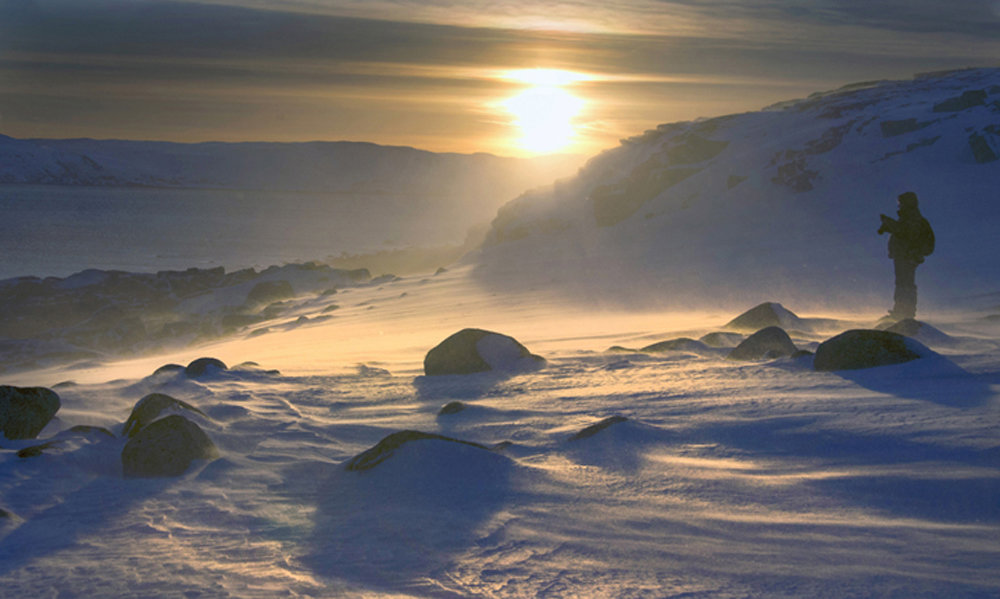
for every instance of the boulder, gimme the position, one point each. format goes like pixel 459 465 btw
pixel 384 449
pixel 679 344
pixel 166 447
pixel 149 408
pixel 765 344
pixel 593 429
pixel 768 314
pixel 168 369
pixel 866 348
pixel 452 407
pixel 68 440
pixel 203 366
pixel 24 411
pixel 477 350
pixel 719 339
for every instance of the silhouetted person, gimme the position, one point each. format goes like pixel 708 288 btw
pixel 910 240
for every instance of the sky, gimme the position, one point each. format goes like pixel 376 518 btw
pixel 508 77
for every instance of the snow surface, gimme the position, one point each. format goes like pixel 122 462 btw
pixel 726 480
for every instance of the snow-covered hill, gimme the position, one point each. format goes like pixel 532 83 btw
pixel 342 167
pixel 783 202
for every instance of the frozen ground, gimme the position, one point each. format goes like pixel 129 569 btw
pixel 729 479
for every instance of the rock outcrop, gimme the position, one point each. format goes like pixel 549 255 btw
pixel 166 447
pixel 768 314
pixel 477 350
pixel 24 411
pixel 384 449
pixel 866 348
pixel 151 407
pixel 766 344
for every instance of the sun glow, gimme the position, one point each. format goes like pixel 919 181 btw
pixel 545 112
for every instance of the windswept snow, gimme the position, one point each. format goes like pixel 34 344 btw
pixel 663 471
pixel 713 478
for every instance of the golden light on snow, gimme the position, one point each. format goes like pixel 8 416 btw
pixel 545 111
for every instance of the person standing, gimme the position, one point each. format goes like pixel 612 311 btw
pixel 911 239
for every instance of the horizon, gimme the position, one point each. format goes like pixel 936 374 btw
pixel 517 79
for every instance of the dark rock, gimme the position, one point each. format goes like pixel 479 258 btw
pixel 478 350
pixel 267 292
pixel 679 344
pixel 4 514
pixel 24 411
pixel 384 449
pixel 721 339
pixel 768 314
pixel 765 344
pixel 453 407
pixel 168 369
pixel 894 128
pixel 866 348
pixel 87 433
pixel 166 447
pixel 969 99
pixel 593 429
pixel 149 408
pixel 203 366
pixel 981 149
pixel 796 175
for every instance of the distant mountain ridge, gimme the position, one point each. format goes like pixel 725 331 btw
pixel 346 167
pixel 777 204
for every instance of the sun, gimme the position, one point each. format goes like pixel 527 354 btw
pixel 544 112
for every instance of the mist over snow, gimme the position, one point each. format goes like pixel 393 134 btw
pixel 300 194
pixel 783 202
pixel 665 377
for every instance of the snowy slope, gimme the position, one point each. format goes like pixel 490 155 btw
pixel 778 203
pixel 725 479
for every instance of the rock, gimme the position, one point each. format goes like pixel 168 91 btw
pixel 768 314
pixel 477 350
pixel 765 344
pixel 68 440
pixel 167 447
pixel 593 429
pixel 167 369
pixel 679 344
pixel 721 339
pixel 203 366
pixel 149 408
pixel 866 348
pixel 384 449
pixel 969 99
pixel 453 407
pixel 24 411
pixel 267 292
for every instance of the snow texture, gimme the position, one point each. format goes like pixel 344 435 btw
pixel 669 471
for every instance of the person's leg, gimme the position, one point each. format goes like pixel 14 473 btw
pixel 906 290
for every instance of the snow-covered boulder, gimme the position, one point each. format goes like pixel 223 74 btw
pixel 478 350
pixel 24 411
pixel 166 447
pixel 202 366
pixel 151 407
pixel 679 344
pixel 768 314
pixel 920 331
pixel 866 348
pixel 719 339
pixel 767 343
pixel 385 448
pixel 593 429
